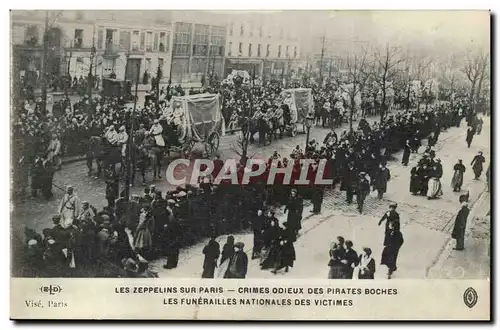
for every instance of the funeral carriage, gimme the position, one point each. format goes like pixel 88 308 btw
pixel 300 103
pixel 194 119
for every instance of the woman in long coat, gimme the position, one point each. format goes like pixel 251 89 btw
pixel 470 136
pixel 366 265
pixel 393 242
pixel 270 238
pixel 458 176
pixel 286 252
pixel 414 181
pixel 477 165
pixel 142 238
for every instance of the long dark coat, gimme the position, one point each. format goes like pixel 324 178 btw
pixel 414 181
pixel 286 254
pixel 392 243
pixel 383 176
pixel 458 176
pixel 294 207
pixel 406 154
pixel 211 252
pixel 477 165
pixel 460 223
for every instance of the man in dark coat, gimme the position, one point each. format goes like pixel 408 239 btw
pixel 294 207
pixel 406 153
pixel 362 190
pixel 286 252
pixel 350 261
pixel 257 227
pixel 392 243
pixel 383 176
pixel 317 199
pixel 477 165
pixel 348 182
pixel 238 265
pixel 470 136
pixel 211 252
pixel 460 225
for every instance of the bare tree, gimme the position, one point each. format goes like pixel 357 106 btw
pixel 357 77
pixel 417 69
pixel 476 71
pixel 385 67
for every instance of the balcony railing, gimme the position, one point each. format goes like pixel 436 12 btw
pixel 112 50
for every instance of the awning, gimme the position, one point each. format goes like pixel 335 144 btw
pixel 244 61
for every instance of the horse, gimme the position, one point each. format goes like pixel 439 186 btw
pixel 139 160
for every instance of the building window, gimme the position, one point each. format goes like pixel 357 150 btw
pixel 155 42
pixel 163 37
pixel 182 38
pixel 148 64
pixel 125 40
pixel 143 40
pixel 135 41
pixel 230 49
pixel 242 30
pixel 100 38
pixel 260 32
pixel 149 41
pixel 200 43
pixel 279 51
pixel 268 50
pixel 240 49
pixel 295 52
pixel 231 28
pixel 258 50
pixel 249 50
pixel 217 41
pixel 287 53
pixel 160 62
pixel 78 38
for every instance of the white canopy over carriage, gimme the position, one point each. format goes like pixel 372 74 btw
pixel 300 101
pixel 199 119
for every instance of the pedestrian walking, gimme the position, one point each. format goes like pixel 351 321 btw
pixel 406 153
pixel 477 165
pixel 257 226
pixel 286 253
pixel 69 208
pixel 389 217
pixel 460 224
pixel 294 207
pixel 458 176
pixel 392 243
pixel 383 176
pixel 470 136
pixel 362 190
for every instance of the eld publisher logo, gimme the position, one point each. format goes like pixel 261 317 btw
pixel 51 289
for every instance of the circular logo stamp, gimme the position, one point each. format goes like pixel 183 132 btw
pixel 470 297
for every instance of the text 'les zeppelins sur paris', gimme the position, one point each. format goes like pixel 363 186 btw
pixel 323 299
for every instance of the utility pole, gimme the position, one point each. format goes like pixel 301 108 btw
pixel 45 55
pixel 130 139
pixel 89 76
pixel 169 93
pixel 321 61
pixel 330 68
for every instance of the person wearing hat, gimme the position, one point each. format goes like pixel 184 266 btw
pixel 470 135
pixel 156 132
pixel 238 264
pixel 383 175
pixel 294 207
pixel 390 216
pixel 212 253
pixel 87 214
pixel 458 232
pixel 69 208
pixel 477 165
pixel 362 190
pixel 366 265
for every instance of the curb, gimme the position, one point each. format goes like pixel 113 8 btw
pixel 446 249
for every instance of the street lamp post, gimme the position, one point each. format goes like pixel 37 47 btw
pixel 309 124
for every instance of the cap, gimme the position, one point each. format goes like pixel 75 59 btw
pixel 240 245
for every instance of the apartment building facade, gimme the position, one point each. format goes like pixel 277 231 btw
pixel 266 42
pixel 121 44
